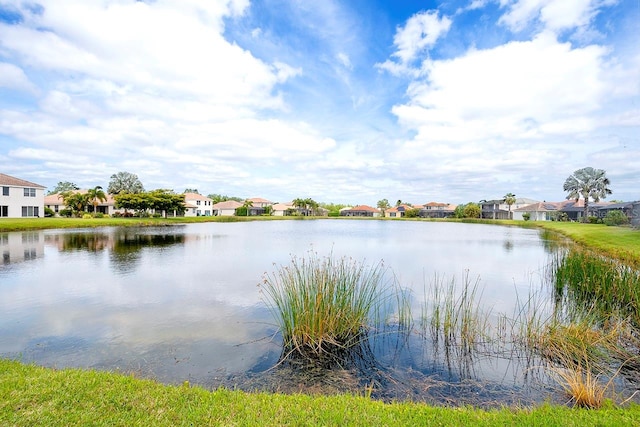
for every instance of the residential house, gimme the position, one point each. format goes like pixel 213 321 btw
pixel 282 209
pixel 106 207
pixel 541 211
pixel 498 209
pixel 259 206
pixel 197 205
pixel 437 210
pixel 226 208
pixel 630 209
pixel 398 211
pixel 361 211
pixel 20 198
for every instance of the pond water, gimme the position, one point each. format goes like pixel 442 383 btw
pixel 183 302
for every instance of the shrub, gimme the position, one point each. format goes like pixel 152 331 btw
pixel 99 215
pixel 65 212
pixel 87 216
pixel 616 218
pixel 526 216
pixel 48 212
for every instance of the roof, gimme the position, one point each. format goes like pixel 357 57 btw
pixel 195 196
pixel 363 208
pixel 12 181
pixel 282 206
pixel 259 200
pixel 228 204
pixel 56 199
pixel 401 208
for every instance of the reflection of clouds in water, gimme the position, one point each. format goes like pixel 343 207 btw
pixel 144 297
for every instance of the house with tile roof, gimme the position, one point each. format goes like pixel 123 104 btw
pixel 55 202
pixel 197 205
pixel 361 211
pixel 437 210
pixel 20 198
pixel 398 211
pixel 226 208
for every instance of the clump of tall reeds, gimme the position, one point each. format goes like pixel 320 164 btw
pixel 454 315
pixel 324 305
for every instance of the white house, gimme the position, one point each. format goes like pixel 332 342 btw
pixel 203 205
pixel 20 198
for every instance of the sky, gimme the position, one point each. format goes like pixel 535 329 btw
pixel 341 101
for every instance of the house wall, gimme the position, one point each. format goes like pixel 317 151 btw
pixel 11 205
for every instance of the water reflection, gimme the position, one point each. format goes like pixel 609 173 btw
pixel 20 247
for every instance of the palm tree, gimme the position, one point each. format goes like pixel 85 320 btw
pixel 588 183
pixel 301 204
pixel 383 205
pixel 509 199
pixel 247 204
pixel 96 195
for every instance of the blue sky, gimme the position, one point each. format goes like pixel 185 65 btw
pixel 341 101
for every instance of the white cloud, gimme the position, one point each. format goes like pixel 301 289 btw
pixel 553 15
pixel 420 32
pixel 13 77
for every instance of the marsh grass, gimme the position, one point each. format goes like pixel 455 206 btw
pixel 608 286
pixel 325 306
pixel 454 315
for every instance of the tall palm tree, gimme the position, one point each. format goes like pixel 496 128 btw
pixel 247 204
pixel 509 199
pixel 96 195
pixel 588 183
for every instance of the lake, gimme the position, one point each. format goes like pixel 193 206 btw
pixel 183 302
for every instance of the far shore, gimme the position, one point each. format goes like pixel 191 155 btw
pixel 622 243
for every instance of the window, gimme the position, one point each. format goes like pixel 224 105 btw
pixel 5 191
pixel 30 211
pixel 4 210
pixel 198 202
pixel 29 192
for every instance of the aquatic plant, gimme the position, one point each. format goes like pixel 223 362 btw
pixel 325 306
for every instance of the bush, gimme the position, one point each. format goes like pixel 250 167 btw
pixel 99 215
pixel 616 218
pixel 157 215
pixel 594 220
pixel 48 212
pixel 65 212
pixel 526 216
pixel 87 216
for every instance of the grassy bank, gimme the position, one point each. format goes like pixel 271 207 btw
pixel 32 395
pixel 619 242
pixel 26 224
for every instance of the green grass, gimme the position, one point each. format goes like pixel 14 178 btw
pixel 23 224
pixel 622 243
pixel 31 396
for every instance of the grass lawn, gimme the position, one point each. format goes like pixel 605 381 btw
pixel 620 242
pixel 31 396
